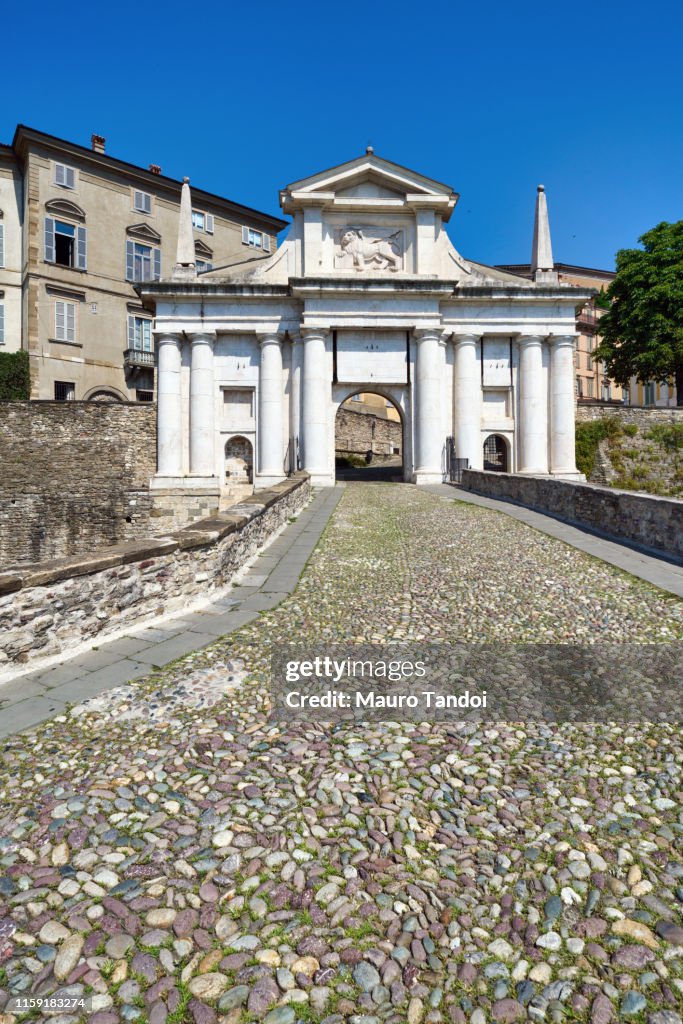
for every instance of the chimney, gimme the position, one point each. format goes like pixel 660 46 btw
pixel 98 142
pixel 155 169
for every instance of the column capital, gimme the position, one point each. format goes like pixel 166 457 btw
pixel 197 337
pixel 562 339
pixel 269 338
pixel 463 337
pixel 531 339
pixel 313 333
pixel 429 334
pixel 162 336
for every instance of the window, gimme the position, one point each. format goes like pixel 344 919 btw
pixel 65 176
pixel 203 266
pixel 139 333
pixel 202 221
pixel 257 239
pixel 143 262
pixel 2 323
pixel 142 201
pixel 65 244
pixel 65 391
pixel 144 396
pixel 65 320
pixel 2 245
pixel 606 391
pixel 649 393
pixel 589 387
pixel 579 387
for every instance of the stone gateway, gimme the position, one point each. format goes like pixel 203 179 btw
pixel 366 293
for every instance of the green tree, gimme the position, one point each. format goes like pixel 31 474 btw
pixel 642 333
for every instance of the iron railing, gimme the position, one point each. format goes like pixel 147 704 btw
pixel 454 465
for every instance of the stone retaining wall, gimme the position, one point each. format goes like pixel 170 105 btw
pixel 357 433
pixel 52 607
pixel 653 523
pixel 643 418
pixel 75 475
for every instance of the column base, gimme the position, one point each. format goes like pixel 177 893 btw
pixel 321 479
pixel 184 483
pixel 268 479
pixel 423 477
pixel 533 472
pixel 569 474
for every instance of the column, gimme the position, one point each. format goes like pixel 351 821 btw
pixel 315 407
pixel 562 437
pixel 429 436
pixel 202 436
pixel 467 388
pixel 169 409
pixel 533 407
pixel 270 440
pixel 295 392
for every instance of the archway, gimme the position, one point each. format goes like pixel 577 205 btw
pixel 104 394
pixel 369 438
pixel 495 454
pixel 239 462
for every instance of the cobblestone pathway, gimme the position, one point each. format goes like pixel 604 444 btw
pixel 166 852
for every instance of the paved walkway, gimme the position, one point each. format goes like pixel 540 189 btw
pixel 658 571
pixel 37 696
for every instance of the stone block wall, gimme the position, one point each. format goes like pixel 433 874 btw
pixel 357 433
pixel 74 476
pixel 54 607
pixel 643 418
pixel 653 523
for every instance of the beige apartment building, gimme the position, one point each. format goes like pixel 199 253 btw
pixel 80 229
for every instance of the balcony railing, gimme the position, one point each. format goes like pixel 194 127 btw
pixel 136 357
pixel 588 317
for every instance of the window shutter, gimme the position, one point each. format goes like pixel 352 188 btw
pixel 69 177
pixel 60 320
pixel 147 335
pixel 81 248
pixel 2 323
pixel 49 240
pixel 131 331
pixel 70 321
pixel 130 260
pixel 266 242
pixel 59 174
pixel 2 245
pixel 157 264
pixel 209 223
pixel 245 236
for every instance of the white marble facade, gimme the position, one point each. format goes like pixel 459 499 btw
pixel 366 293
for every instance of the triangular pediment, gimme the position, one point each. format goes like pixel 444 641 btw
pixel 368 179
pixel 202 250
pixel 144 231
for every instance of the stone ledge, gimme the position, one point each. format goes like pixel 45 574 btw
pixel 201 533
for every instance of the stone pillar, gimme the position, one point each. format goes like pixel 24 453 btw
pixel 562 415
pixel 467 388
pixel 315 408
pixel 270 441
pixel 169 407
pixel 429 442
pixel 295 390
pixel 202 436
pixel 533 407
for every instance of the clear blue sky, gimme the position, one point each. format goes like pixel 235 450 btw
pixel 492 98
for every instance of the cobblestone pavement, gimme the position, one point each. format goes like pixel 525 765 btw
pixel 172 856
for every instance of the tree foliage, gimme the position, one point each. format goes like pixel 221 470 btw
pixel 642 333
pixel 14 375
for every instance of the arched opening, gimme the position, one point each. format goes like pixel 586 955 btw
pixel 495 454
pixel 369 438
pixel 104 394
pixel 239 462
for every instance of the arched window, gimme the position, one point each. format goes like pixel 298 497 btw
pixel 495 454
pixel 239 461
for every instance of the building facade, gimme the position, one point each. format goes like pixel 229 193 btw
pixel 367 294
pixel 81 228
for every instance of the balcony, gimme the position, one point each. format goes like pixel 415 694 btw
pixel 588 318
pixel 136 358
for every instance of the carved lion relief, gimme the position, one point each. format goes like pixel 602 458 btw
pixel 368 248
